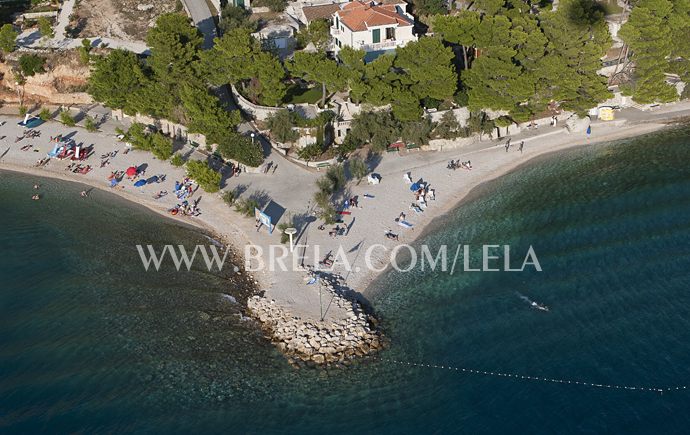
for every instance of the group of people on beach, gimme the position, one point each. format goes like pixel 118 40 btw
pixel 186 208
pixel 457 164
pixel 185 189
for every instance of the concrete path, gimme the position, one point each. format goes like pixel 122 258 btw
pixel 203 19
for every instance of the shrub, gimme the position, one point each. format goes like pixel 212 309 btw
pixel 31 64
pixel 45 27
pixel 331 182
pixel 418 132
pixel 157 143
pixel 90 124
pixel 449 127
pixel 246 206
pixel 161 146
pixel 202 173
pixel 336 176
pixel 67 119
pixel 44 114
pixel 288 222
pixel 310 152
pixel 358 168
pixel 229 197
pixel 273 5
pixel 84 51
pixel 237 147
pixel 327 213
pixel 280 124
pixel 177 160
pixel 8 37
pixel 23 110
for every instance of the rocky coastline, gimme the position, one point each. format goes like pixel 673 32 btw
pixel 320 342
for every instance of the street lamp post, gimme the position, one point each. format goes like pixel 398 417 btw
pixel 290 232
pixel 252 135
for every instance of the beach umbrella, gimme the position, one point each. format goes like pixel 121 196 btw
pixel 153 179
pixel 414 187
pixel 113 182
pixel 131 171
pixel 140 183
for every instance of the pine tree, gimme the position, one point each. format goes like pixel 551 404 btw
pixel 651 40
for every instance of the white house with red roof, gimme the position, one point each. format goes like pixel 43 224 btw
pixel 375 27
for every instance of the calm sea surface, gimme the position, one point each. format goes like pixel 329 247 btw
pixel 91 343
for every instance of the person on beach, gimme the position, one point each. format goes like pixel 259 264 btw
pixel 589 131
pixel 274 169
pixel 508 145
pixel 522 146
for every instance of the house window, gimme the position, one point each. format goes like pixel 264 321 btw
pixel 336 22
pixel 390 33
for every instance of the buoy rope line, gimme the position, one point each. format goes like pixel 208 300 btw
pixel 659 390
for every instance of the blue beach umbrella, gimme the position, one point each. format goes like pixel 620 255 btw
pixel 140 183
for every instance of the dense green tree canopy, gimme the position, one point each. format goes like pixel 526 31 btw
pixel 238 57
pixel 241 148
pixel 31 64
pixel 204 114
pixel 175 46
pixel 317 33
pixel 428 65
pixel 235 17
pixel 316 67
pixel 115 78
pixel 658 33
pixel 8 38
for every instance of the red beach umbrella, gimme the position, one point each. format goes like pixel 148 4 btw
pixel 131 171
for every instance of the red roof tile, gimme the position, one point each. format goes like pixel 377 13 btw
pixel 360 15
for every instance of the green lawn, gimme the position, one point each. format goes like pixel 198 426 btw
pixel 298 95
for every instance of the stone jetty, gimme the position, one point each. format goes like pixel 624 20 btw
pixel 320 342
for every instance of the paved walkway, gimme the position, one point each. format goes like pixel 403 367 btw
pixel 203 19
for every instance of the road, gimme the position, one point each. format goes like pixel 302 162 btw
pixel 201 15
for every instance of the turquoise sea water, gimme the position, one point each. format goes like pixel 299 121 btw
pixel 90 343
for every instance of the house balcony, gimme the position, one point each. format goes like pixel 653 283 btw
pixel 335 31
pixel 383 45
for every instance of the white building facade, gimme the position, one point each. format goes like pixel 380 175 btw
pixel 372 27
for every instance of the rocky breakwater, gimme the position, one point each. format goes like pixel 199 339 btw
pixel 320 342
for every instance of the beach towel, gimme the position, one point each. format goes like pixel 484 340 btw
pixel 405 224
